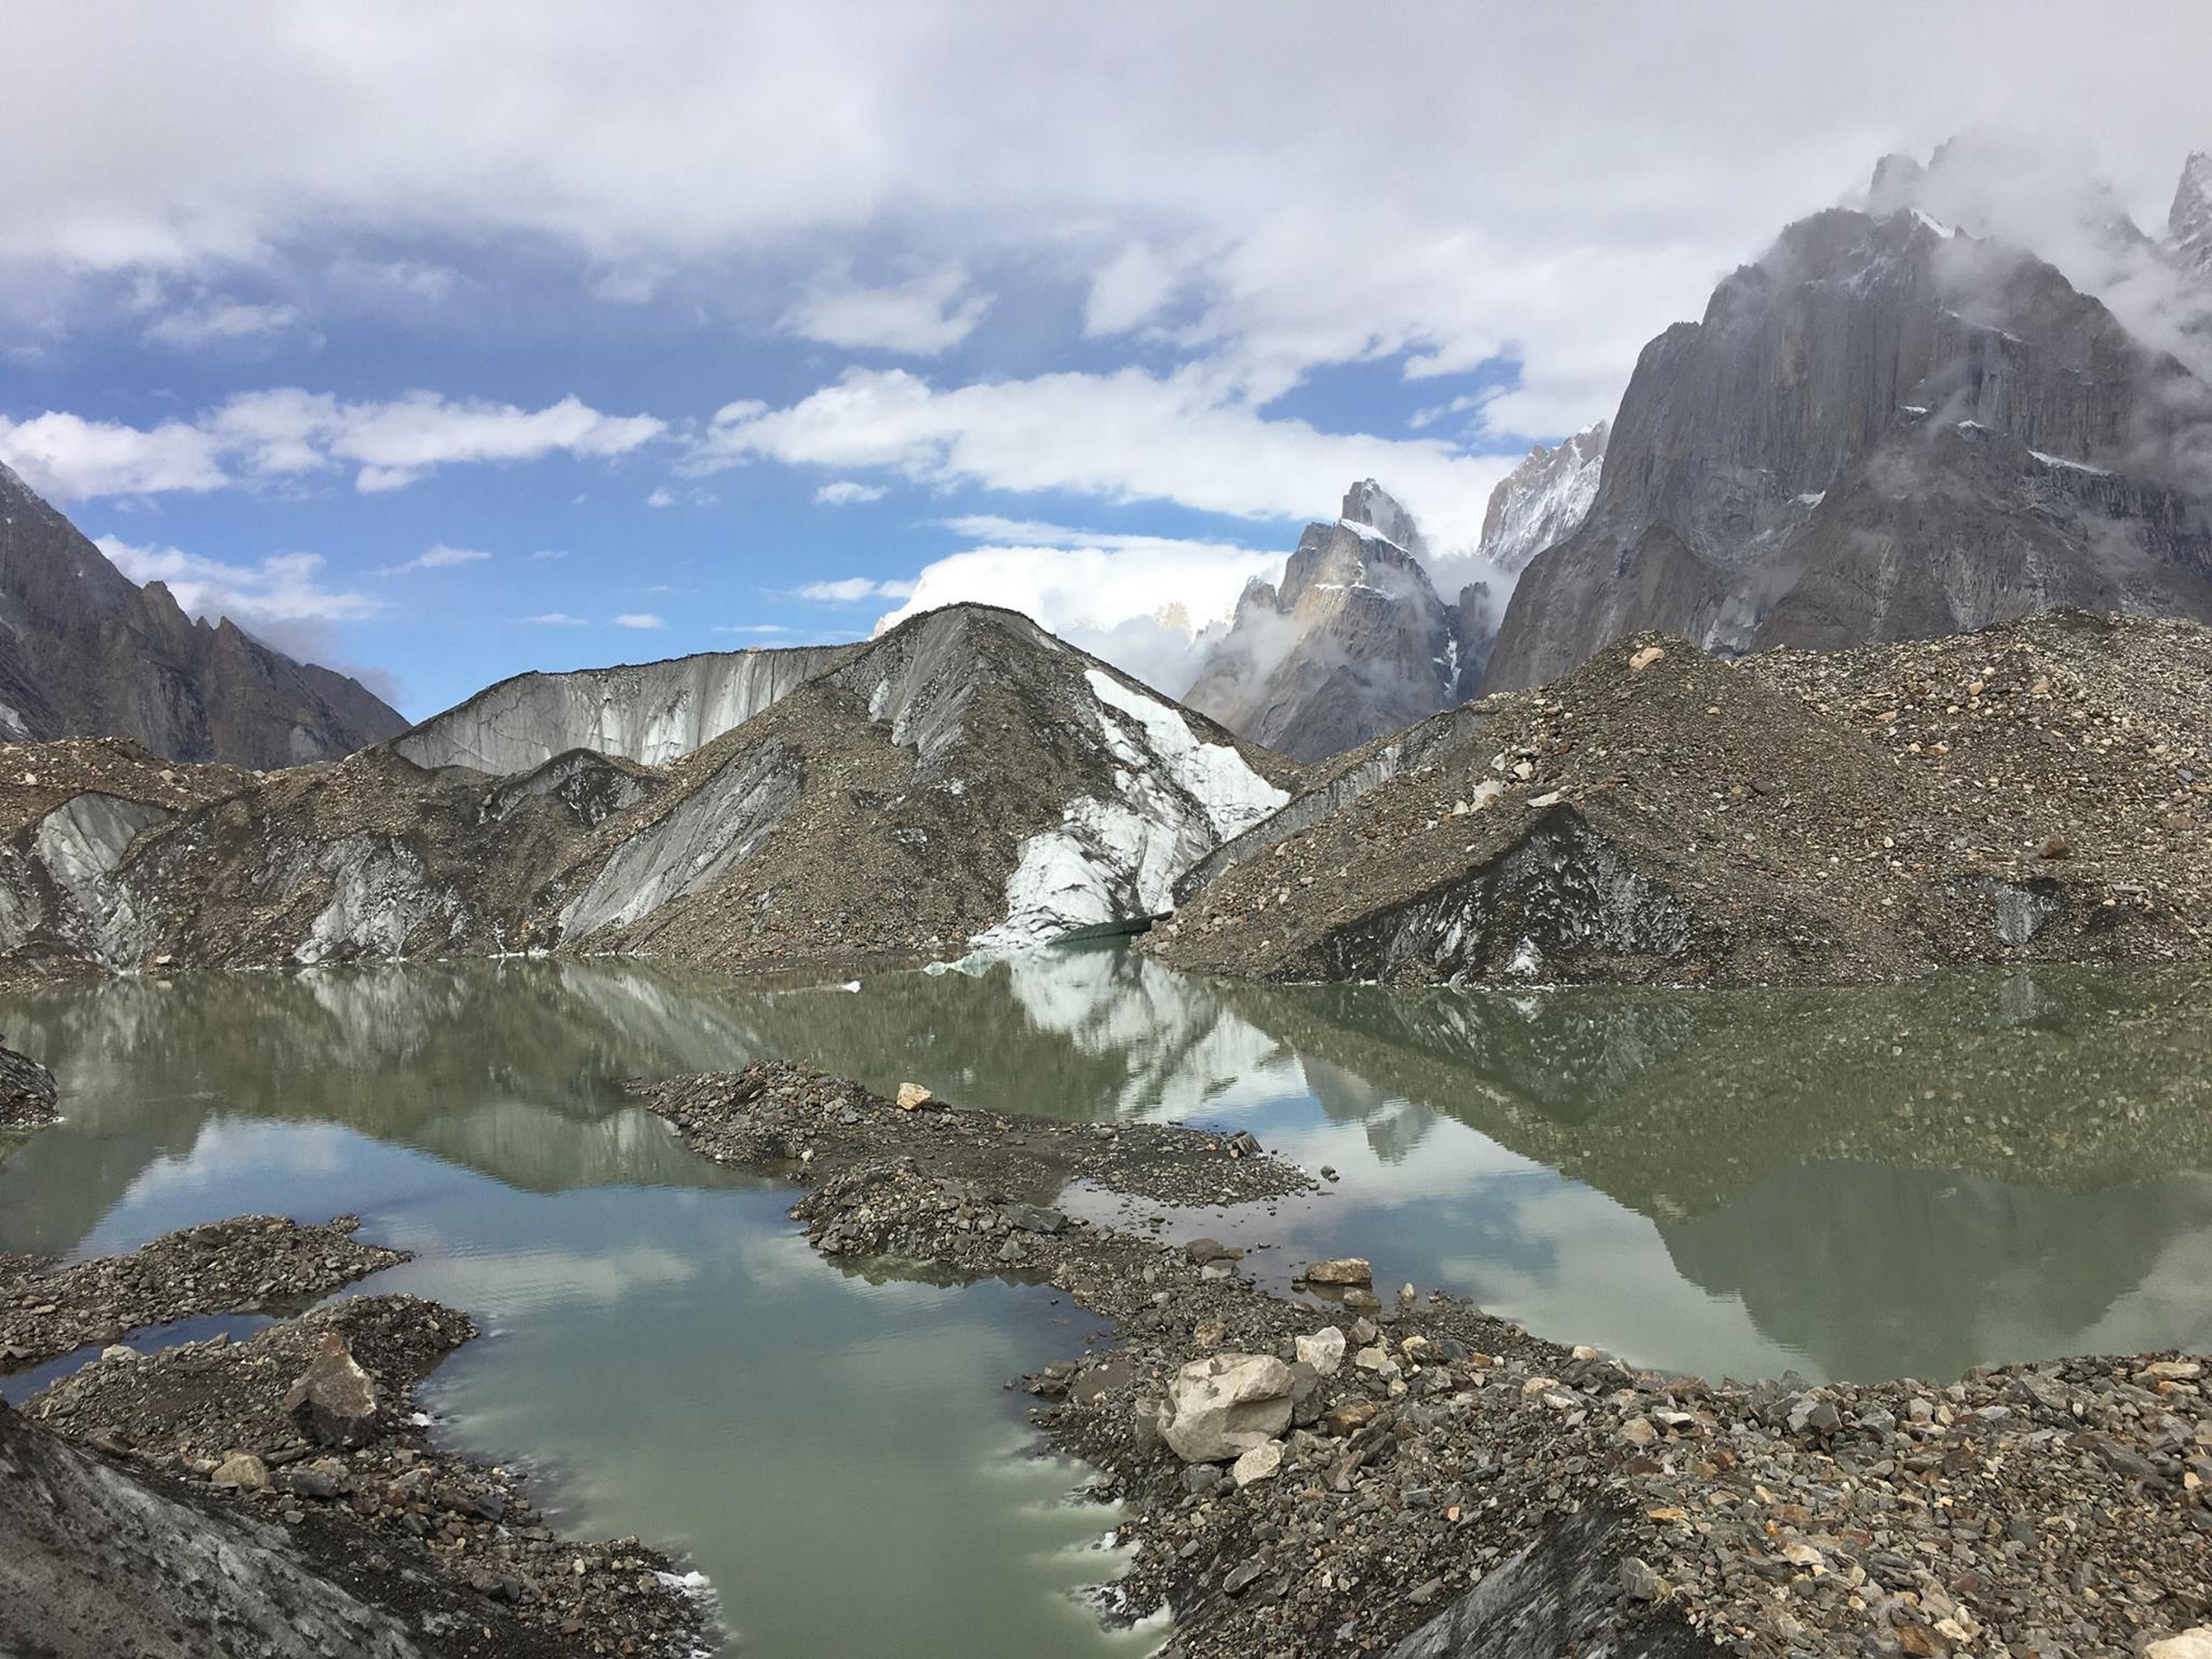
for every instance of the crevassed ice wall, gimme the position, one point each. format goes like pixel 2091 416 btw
pixel 653 713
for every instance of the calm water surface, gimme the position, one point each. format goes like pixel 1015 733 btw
pixel 1852 1184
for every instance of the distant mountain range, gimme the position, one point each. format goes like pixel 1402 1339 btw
pixel 86 652
pixel 1894 424
pixel 965 780
pixel 1889 428
pixel 1355 642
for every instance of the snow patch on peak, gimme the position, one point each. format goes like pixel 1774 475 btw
pixel 1366 533
pixel 1544 500
pixel 1368 505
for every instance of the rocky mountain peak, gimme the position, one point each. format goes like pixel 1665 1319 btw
pixel 1353 642
pixel 2189 223
pixel 1544 498
pixel 85 652
pixel 1885 428
pixel 1897 184
pixel 1368 504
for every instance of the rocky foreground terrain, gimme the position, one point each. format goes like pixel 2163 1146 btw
pixel 277 1495
pixel 965 780
pixel 1403 1475
pixel 2039 791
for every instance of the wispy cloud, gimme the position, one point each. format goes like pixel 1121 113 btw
pixel 554 619
pixel 286 434
pixel 439 558
pixel 849 590
pixel 284 587
pixel 641 620
pixel 221 320
pixel 1186 436
pixel 847 493
pixel 925 317
pixel 752 628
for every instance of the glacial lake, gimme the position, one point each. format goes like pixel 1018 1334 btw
pixel 1855 1184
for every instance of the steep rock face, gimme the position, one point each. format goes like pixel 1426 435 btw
pixel 2189 223
pixel 2039 532
pixel 95 1561
pixel 651 713
pixel 1544 500
pixel 1353 643
pixel 1783 441
pixel 86 652
pixel 965 781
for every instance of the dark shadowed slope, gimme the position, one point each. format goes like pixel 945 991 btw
pixel 86 652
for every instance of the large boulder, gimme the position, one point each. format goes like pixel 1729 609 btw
pixel 1221 1406
pixel 334 1401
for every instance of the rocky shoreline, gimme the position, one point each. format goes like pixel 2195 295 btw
pixel 247 1265
pixel 309 1433
pixel 1405 1475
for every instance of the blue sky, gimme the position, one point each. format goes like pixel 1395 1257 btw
pixel 443 343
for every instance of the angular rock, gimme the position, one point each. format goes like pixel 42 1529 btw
pixel 334 1401
pixel 1261 1463
pixel 912 1095
pixel 242 1471
pixel 1221 1406
pixel 1347 1270
pixel 27 1094
pixel 1324 1350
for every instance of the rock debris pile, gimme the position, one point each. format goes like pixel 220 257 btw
pixel 245 1265
pixel 310 1426
pixel 2041 791
pixel 1305 1478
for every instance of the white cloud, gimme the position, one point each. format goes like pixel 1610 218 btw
pixel 1126 437
pixel 753 627
pixel 550 553
pixel 71 459
pixel 662 497
pixel 850 590
pixel 285 587
pixel 439 558
pixel 1129 290
pixel 1148 605
pixel 641 619
pixel 1427 218
pixel 286 432
pixel 847 493
pixel 419 279
pixel 220 320
pixel 926 317
pixel 554 619
pixel 1520 195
